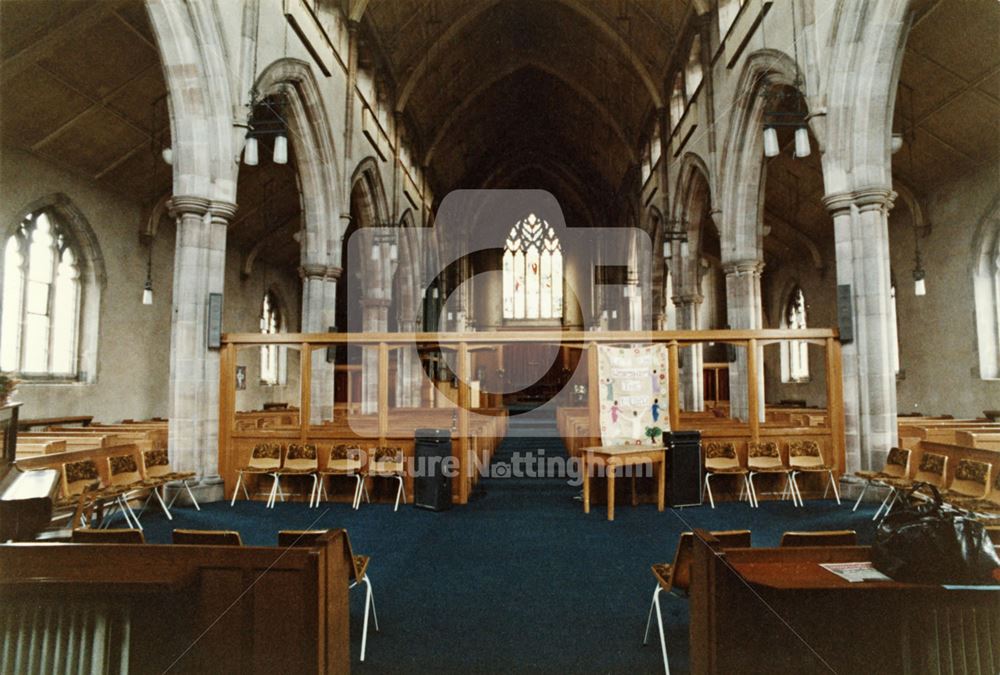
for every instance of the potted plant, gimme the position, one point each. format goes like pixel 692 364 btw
pixel 8 384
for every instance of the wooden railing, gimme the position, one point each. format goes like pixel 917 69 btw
pixel 464 344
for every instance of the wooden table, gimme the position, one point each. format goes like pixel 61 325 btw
pixel 613 456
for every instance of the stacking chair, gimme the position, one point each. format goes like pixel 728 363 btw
pixel 932 469
pixel 344 460
pixel 265 459
pixel 990 505
pixel 301 460
pixel 897 465
pixel 820 538
pixel 806 457
pixel 764 457
pixel 110 536
pixel 208 537
pixel 675 578
pixel 721 459
pixel 156 464
pixel 81 484
pixel 358 572
pixel 124 479
pixel 971 482
pixel 388 463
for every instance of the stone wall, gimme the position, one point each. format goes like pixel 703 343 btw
pixel 937 332
pixel 133 360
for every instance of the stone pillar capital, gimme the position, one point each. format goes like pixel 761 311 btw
pixel 319 271
pixel 180 205
pixel 743 267
pixel 687 299
pixel 874 198
pixel 223 210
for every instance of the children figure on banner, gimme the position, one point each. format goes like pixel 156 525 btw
pixel 656 409
pixel 637 427
pixel 656 379
pixel 610 388
pixel 615 410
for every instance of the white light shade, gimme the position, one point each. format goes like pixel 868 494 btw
pixel 614 314
pixel 250 152
pixel 919 287
pixel 897 143
pixel 434 293
pixel 802 148
pixel 627 291
pixel 451 316
pixel 684 249
pixel 771 148
pixel 393 252
pixel 168 155
pixel 668 250
pixel 147 296
pixel 280 149
pixel 376 254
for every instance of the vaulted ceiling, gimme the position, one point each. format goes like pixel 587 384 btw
pixel 572 81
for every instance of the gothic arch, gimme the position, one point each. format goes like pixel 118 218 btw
pixel 867 54
pixel 200 102
pixel 315 157
pixel 741 187
pixel 692 206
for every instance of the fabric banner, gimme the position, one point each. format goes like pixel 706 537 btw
pixel 633 396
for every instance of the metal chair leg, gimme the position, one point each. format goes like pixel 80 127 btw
pixel 649 616
pixel 356 504
pixel 369 605
pixel 708 488
pixel 833 484
pixel 860 497
pixel 236 490
pixel 663 637
pixel 163 505
pixel 884 502
pixel 399 493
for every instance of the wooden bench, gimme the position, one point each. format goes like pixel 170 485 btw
pixel 219 609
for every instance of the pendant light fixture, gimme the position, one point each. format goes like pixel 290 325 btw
pixel 774 116
pixel 265 118
pixel 680 235
pixel 147 289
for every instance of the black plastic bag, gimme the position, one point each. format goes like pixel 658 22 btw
pixel 925 541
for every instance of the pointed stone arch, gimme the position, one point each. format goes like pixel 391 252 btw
pixel 741 184
pixel 315 157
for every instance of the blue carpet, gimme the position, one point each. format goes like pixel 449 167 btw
pixel 520 580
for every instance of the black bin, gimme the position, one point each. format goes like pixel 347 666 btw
pixel 431 486
pixel 683 466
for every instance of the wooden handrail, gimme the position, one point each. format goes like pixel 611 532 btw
pixel 738 337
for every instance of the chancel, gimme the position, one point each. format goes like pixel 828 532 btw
pixel 500 336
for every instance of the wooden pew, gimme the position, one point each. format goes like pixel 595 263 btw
pixel 219 609
pixel 776 611
pixel 986 440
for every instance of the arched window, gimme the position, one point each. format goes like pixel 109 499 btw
pixel 41 300
pixel 795 353
pixel 532 271
pixel 692 70
pixel 273 360
pixel 986 287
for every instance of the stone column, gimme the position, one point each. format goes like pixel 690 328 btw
pixel 861 234
pixel 692 384
pixel 744 311
pixel 199 269
pixel 319 302
pixel 407 382
pixel 374 319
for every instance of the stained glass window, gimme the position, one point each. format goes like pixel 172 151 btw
pixel 41 300
pixel 532 271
